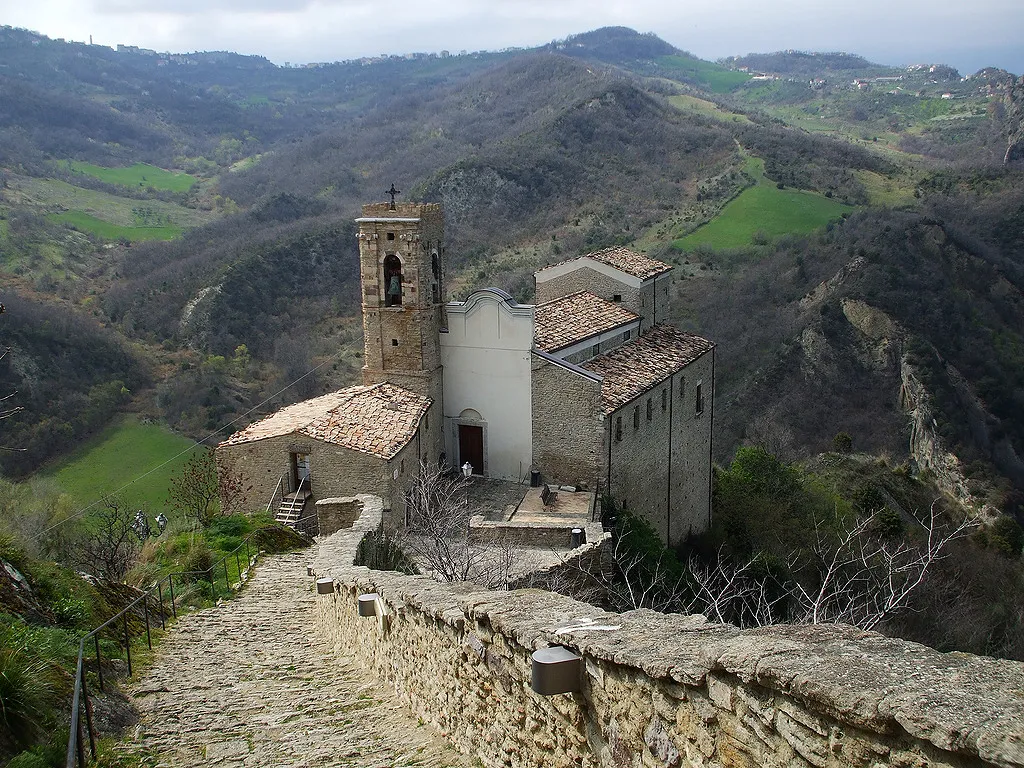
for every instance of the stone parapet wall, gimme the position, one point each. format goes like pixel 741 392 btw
pixel 556 536
pixel 335 514
pixel 663 690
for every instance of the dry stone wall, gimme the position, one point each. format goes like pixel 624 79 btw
pixel 664 690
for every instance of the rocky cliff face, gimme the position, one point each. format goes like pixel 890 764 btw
pixel 1014 101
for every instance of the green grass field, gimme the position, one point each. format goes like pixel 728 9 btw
pixel 138 175
pixel 713 77
pixel 85 223
pixel 763 209
pixel 124 451
pixel 685 103
pixel 104 214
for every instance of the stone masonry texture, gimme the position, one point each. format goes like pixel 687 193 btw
pixel 248 684
pixel 567 425
pixel 663 690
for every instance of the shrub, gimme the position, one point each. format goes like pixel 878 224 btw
pixel 198 559
pixel 842 442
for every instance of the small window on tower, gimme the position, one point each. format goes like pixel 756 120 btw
pixel 618 428
pixel 617 297
pixel 394 342
pixel 636 417
pixel 391 235
pixel 650 409
pixel 699 399
pixel 664 399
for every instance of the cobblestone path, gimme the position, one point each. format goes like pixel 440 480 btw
pixel 248 684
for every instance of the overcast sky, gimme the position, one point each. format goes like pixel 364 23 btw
pixel 966 35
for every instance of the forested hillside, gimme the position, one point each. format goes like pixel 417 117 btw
pixel 184 223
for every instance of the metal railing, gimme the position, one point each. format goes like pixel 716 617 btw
pixel 273 498
pixel 155 593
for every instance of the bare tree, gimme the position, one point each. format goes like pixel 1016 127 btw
pixel 853 575
pixel 193 491
pixel 110 545
pixel 863 578
pixel 437 533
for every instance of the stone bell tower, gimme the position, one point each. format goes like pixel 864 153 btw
pixel 400 263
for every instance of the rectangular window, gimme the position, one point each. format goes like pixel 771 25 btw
pixel 636 417
pixel 618 428
pixel 650 409
pixel 617 297
pixel 664 399
pixel 700 399
pixel 626 336
pixel 682 386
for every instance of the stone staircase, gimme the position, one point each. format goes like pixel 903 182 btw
pixel 290 509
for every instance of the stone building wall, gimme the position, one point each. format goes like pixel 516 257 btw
pixel 663 690
pixel 650 300
pixel 691 448
pixel 584 278
pixel 334 470
pixel 671 489
pixel 567 424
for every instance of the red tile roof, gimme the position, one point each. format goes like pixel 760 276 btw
pixel 379 420
pixel 632 369
pixel 565 321
pixel 624 260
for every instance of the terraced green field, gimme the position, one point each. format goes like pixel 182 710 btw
pixel 106 215
pixel 123 452
pixel 138 175
pixel 763 209
pixel 86 223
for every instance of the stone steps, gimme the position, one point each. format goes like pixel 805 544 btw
pixel 250 684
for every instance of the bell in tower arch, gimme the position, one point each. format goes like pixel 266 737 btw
pixel 392 281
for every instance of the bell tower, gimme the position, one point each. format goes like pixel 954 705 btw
pixel 400 263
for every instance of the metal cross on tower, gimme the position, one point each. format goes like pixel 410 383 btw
pixel 393 192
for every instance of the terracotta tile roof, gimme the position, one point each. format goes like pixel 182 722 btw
pixel 624 260
pixel 378 420
pixel 632 369
pixel 562 322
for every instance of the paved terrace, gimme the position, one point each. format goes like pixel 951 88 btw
pixel 250 684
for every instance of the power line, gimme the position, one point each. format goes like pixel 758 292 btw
pixel 184 451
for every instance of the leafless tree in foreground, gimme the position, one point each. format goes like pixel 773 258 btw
pixel 864 578
pixel 853 575
pixel 437 531
pixel 110 545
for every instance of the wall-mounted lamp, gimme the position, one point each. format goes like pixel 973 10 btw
pixel 368 603
pixel 325 586
pixel 578 538
pixel 467 470
pixel 309 570
pixel 555 670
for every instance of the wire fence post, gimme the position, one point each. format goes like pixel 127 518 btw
pixel 88 715
pixel 127 643
pixel 227 580
pixel 99 663
pixel 145 612
pixel 79 745
pixel 170 587
pixel 160 596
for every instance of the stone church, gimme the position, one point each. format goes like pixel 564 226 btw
pixel 589 387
